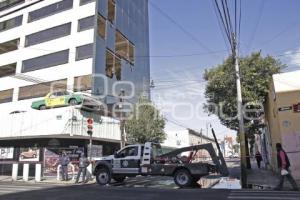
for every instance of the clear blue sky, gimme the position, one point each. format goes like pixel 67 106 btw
pixel 272 26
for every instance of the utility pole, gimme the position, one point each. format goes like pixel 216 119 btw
pixel 240 116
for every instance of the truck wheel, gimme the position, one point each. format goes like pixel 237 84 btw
pixel 183 178
pixel 103 176
pixel 119 179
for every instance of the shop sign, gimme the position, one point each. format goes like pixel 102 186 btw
pixel 51 158
pixel 97 151
pixel 7 153
pixel 31 154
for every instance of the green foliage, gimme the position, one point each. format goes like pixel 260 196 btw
pixel 146 124
pixel 256 74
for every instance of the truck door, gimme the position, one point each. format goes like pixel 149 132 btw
pixel 127 160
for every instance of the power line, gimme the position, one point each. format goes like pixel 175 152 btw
pixel 262 5
pixel 140 56
pixel 184 55
pixel 193 68
pixel 220 16
pixel 195 39
pixel 240 20
pixel 178 86
pixel 228 16
pixel 292 25
pixel 223 33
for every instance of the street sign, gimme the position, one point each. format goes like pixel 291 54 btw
pixel 285 108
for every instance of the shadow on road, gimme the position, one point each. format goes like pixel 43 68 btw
pixel 94 191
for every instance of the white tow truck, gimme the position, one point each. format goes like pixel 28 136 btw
pixel 146 159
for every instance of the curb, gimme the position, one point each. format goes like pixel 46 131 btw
pixel 213 184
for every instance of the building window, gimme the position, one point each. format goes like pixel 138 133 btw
pixel 50 10
pixel 11 23
pixel 83 83
pixel 9 46
pixel 9 4
pixel 6 96
pixel 122 45
pixel 101 26
pixel 118 68
pixel 111 11
pixel 8 70
pixel 46 61
pixel 131 53
pixel 48 34
pixel 41 89
pixel 85 23
pixel 124 48
pixel 113 65
pixel 109 68
pixel 83 2
pixel 84 52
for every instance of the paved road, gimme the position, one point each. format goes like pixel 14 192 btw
pixel 234 167
pixel 95 192
pixel 10 188
pixel 263 195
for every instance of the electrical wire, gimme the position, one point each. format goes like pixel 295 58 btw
pixel 252 38
pixel 189 34
pixel 220 16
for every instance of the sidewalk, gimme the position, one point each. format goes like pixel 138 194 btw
pixel 48 180
pixel 264 179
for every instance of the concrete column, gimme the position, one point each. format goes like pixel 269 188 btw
pixel 90 171
pixel 15 168
pixel 26 172
pixel 58 172
pixel 38 172
pixel 90 168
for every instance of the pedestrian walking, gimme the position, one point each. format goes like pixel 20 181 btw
pixel 258 158
pixel 284 165
pixel 83 163
pixel 64 161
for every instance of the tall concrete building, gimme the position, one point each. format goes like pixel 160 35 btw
pixel 97 48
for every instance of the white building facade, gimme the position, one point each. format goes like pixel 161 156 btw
pixel 83 46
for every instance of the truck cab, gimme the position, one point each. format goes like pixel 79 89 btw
pixel 124 163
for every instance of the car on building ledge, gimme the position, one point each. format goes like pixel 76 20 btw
pixel 58 99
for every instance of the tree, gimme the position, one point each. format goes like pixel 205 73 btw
pixel 256 75
pixel 146 124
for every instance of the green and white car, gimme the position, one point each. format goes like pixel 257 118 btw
pixel 58 99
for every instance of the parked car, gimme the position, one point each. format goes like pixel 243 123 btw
pixel 58 99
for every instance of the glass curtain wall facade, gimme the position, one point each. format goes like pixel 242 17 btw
pixel 122 48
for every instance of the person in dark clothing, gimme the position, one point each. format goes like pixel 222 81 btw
pixel 64 161
pixel 284 165
pixel 258 158
pixel 83 163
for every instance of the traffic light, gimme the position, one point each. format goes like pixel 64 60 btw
pixel 90 126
